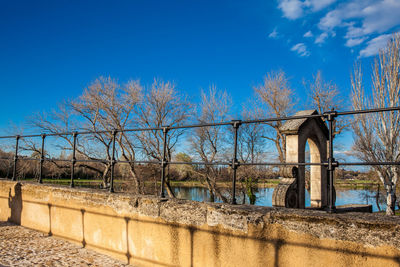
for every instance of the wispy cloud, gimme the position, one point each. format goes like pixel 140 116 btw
pixel 321 38
pixel 317 5
pixel 345 152
pixel 294 9
pixel 366 23
pixel 377 16
pixel 274 34
pixel 301 50
pixel 354 42
pixel 361 19
pixel 374 45
pixel 308 34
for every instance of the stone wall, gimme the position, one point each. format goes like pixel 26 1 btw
pixel 149 232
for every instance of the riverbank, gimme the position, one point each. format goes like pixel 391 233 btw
pixel 264 183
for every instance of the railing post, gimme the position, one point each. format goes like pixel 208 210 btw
pixel 332 164
pixel 41 160
pixel 235 163
pixel 14 178
pixel 73 161
pixel 114 134
pixel 164 161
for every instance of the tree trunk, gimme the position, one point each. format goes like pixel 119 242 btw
pixel 377 197
pixel 390 199
pixel 169 188
pixel 219 193
pixel 213 182
pixel 210 189
pixel 105 176
pixel 137 189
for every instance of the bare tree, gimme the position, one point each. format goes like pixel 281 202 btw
pixel 103 107
pixel 108 106
pixel 278 101
pixel 377 135
pixel 251 143
pixel 251 148
pixel 58 121
pixel 324 97
pixel 209 143
pixel 161 106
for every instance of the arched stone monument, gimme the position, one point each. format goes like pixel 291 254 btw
pixel 290 192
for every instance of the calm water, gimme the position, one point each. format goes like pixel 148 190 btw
pixel 264 196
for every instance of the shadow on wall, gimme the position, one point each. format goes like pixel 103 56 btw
pixel 15 204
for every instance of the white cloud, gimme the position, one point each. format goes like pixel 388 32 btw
pixel 301 50
pixel 345 152
pixel 362 18
pixel 292 9
pixel 317 5
pixel 374 45
pixel 354 42
pixel 321 38
pixel 331 20
pixel 377 18
pixel 274 34
pixel 308 34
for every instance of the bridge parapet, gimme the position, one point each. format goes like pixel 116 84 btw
pixel 148 231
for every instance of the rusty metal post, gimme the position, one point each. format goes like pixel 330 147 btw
pixel 14 178
pixel 235 163
pixel 164 161
pixel 41 160
pixel 73 160
pixel 114 134
pixel 332 164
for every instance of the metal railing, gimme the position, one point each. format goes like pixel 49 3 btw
pixel 331 163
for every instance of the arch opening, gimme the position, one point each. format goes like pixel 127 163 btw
pixel 315 172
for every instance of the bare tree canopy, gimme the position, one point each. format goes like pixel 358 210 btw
pixel 161 106
pixel 324 96
pixel 377 135
pixel 105 105
pixel 251 144
pixel 278 100
pixel 209 143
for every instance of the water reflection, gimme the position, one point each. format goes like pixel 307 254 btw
pixel 264 196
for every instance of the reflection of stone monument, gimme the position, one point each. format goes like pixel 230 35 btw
pixel 291 190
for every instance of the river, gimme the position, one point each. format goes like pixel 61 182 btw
pixel 264 196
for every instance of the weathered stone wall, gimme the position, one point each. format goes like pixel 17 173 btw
pixel 150 232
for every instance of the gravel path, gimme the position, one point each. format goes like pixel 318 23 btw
pixel 20 246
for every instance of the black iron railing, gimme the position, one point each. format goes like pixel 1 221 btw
pixel 331 163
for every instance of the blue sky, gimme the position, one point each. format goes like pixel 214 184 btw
pixel 50 50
